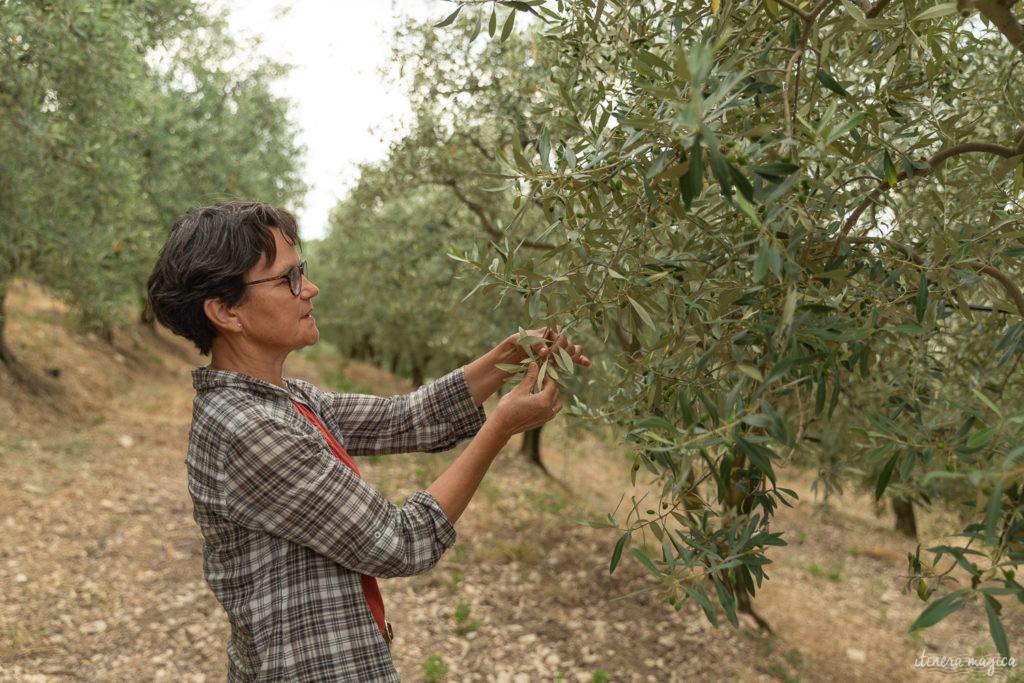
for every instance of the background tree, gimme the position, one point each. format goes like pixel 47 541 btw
pixel 803 222
pixel 115 117
pixel 395 297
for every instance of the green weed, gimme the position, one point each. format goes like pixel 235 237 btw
pixel 434 669
pixel 454 579
pixel 522 551
pixel 463 623
pixel 780 672
pixel 833 574
pixel 545 501
pixel 458 553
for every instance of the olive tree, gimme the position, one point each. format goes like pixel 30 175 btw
pixel 109 129
pixel 801 223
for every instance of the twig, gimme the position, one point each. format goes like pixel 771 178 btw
pixel 1002 278
pixel 933 164
pixel 799 427
pixel 999 276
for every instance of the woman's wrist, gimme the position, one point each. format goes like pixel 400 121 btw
pixel 495 432
pixel 483 375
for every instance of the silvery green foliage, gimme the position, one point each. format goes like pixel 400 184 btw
pixel 798 229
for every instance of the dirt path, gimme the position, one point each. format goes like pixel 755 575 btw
pixel 100 564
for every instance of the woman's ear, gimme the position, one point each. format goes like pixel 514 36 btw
pixel 222 316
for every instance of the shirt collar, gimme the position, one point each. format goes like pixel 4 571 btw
pixel 207 378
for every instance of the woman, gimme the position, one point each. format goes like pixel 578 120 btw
pixel 293 537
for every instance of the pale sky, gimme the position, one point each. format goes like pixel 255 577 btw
pixel 344 110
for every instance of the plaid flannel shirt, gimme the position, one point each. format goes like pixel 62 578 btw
pixel 288 529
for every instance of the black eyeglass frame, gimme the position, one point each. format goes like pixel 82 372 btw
pixel 294 277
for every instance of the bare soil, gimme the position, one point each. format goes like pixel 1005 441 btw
pixel 101 567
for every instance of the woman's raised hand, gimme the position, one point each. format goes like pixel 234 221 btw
pixel 554 344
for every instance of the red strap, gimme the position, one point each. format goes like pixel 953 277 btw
pixel 371 591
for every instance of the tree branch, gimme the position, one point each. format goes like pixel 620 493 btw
pixel 819 8
pixel 789 91
pixel 984 268
pixel 918 261
pixel 1002 278
pixel 998 13
pixel 794 9
pixel 791 82
pixel 486 153
pixel 876 9
pixel 933 164
pixel 485 221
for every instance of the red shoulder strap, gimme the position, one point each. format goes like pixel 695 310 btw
pixel 371 591
pixel 335 447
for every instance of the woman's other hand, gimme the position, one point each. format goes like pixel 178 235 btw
pixel 520 409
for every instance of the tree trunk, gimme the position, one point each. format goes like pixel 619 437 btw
pixel 418 369
pixel 362 349
pixel 744 605
pixel 6 355
pixel 530 447
pixel 906 521
pixel 13 366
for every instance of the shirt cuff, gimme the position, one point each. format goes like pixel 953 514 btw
pixel 458 407
pixel 443 528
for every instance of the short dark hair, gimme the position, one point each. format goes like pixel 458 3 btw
pixel 207 254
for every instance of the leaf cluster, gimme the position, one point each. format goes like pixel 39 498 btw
pixel 798 227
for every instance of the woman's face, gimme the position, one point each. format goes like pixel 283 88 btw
pixel 273 319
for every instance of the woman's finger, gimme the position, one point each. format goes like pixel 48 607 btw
pixel 531 377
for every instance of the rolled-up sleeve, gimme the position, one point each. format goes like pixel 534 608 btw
pixel 433 418
pixel 284 482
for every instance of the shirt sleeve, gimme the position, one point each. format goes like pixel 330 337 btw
pixel 433 418
pixel 286 483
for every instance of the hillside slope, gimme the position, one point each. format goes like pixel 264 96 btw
pixel 100 564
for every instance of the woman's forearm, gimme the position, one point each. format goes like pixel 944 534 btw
pixel 457 484
pixel 517 411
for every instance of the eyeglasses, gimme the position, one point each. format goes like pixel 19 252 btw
pixel 294 277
